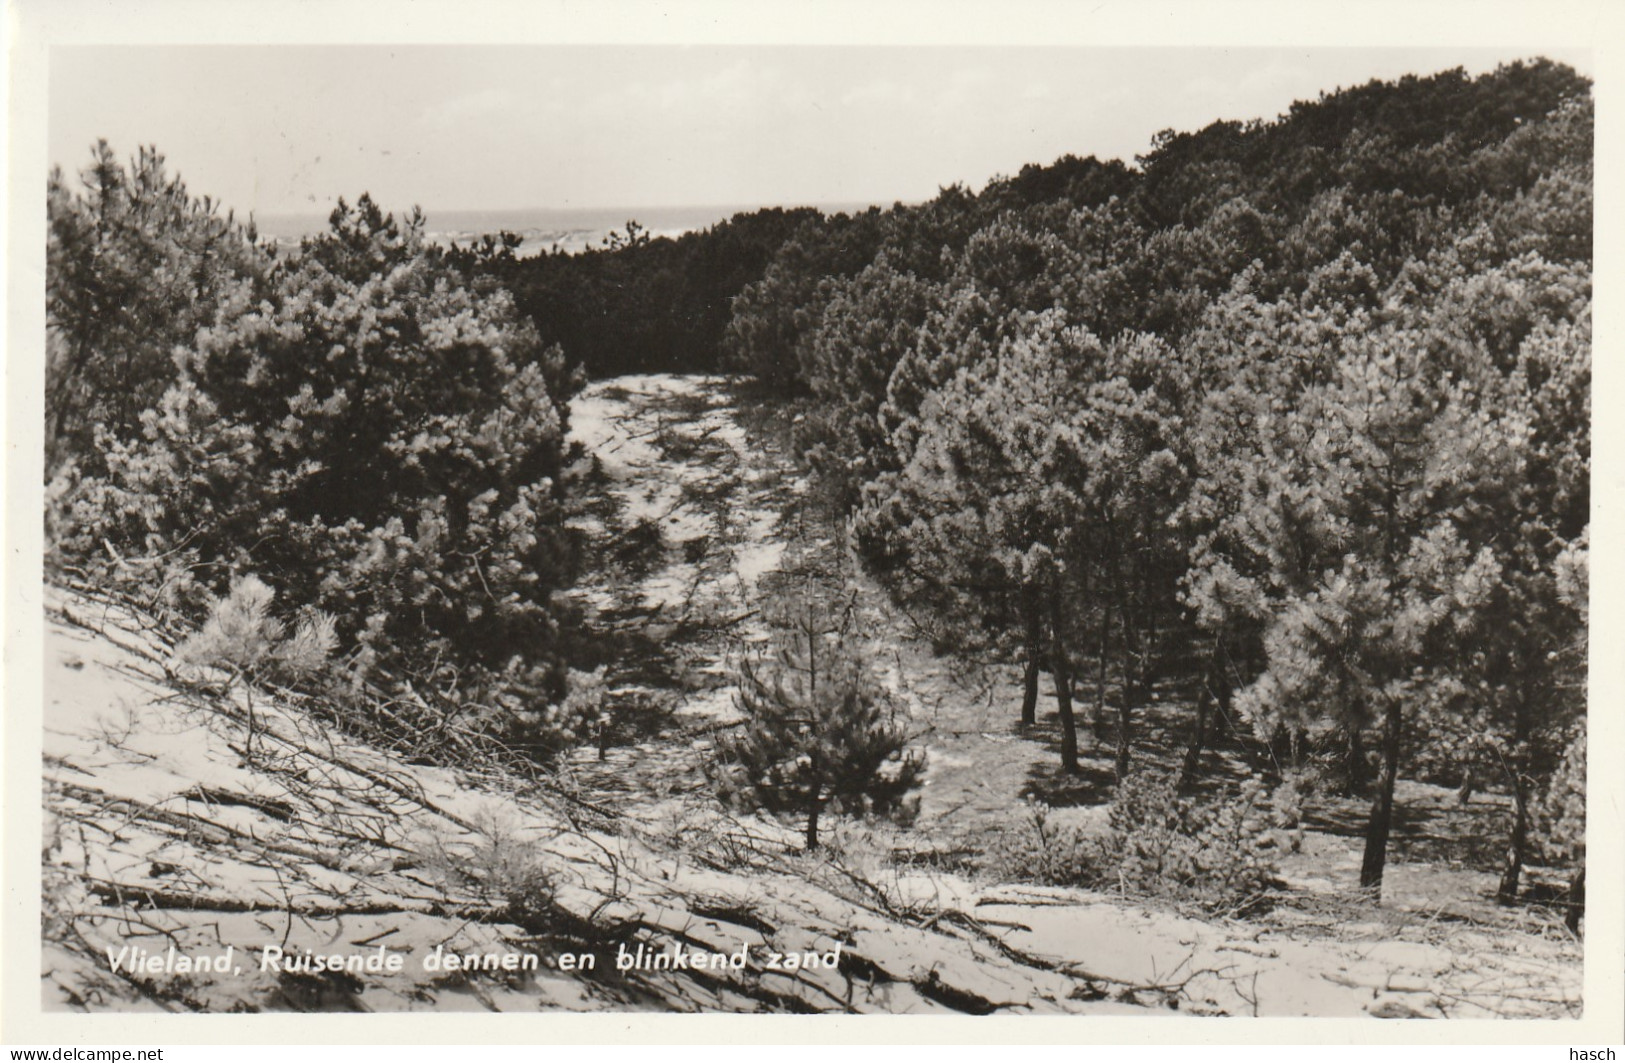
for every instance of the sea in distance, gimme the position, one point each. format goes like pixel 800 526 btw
pixel 568 229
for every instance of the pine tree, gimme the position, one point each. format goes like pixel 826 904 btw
pixel 980 524
pixel 1356 519
pixel 869 323
pixel 243 637
pixel 820 733
pixel 134 266
pixel 375 437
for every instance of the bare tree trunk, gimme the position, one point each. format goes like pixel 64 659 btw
pixel 1062 669
pixel 1382 806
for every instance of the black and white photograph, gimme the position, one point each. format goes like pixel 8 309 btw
pixel 810 528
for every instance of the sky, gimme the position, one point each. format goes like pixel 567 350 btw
pixel 289 128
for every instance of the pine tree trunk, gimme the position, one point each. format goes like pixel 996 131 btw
pixel 1506 894
pixel 812 659
pixel 1355 768
pixel 1130 690
pixel 1123 740
pixel 812 824
pixel 1193 752
pixel 1382 806
pixel 248 696
pixel 1468 786
pixel 1062 670
pixel 1029 693
pixel 1224 728
pixel 1577 898
pixel 1100 676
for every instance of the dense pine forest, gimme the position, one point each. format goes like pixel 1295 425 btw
pixel 1292 414
pixel 1256 472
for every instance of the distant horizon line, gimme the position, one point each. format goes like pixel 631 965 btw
pixel 726 208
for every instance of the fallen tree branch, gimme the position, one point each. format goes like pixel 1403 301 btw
pixel 176 900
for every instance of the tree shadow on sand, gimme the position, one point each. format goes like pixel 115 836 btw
pixel 1158 747
pixel 1093 784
